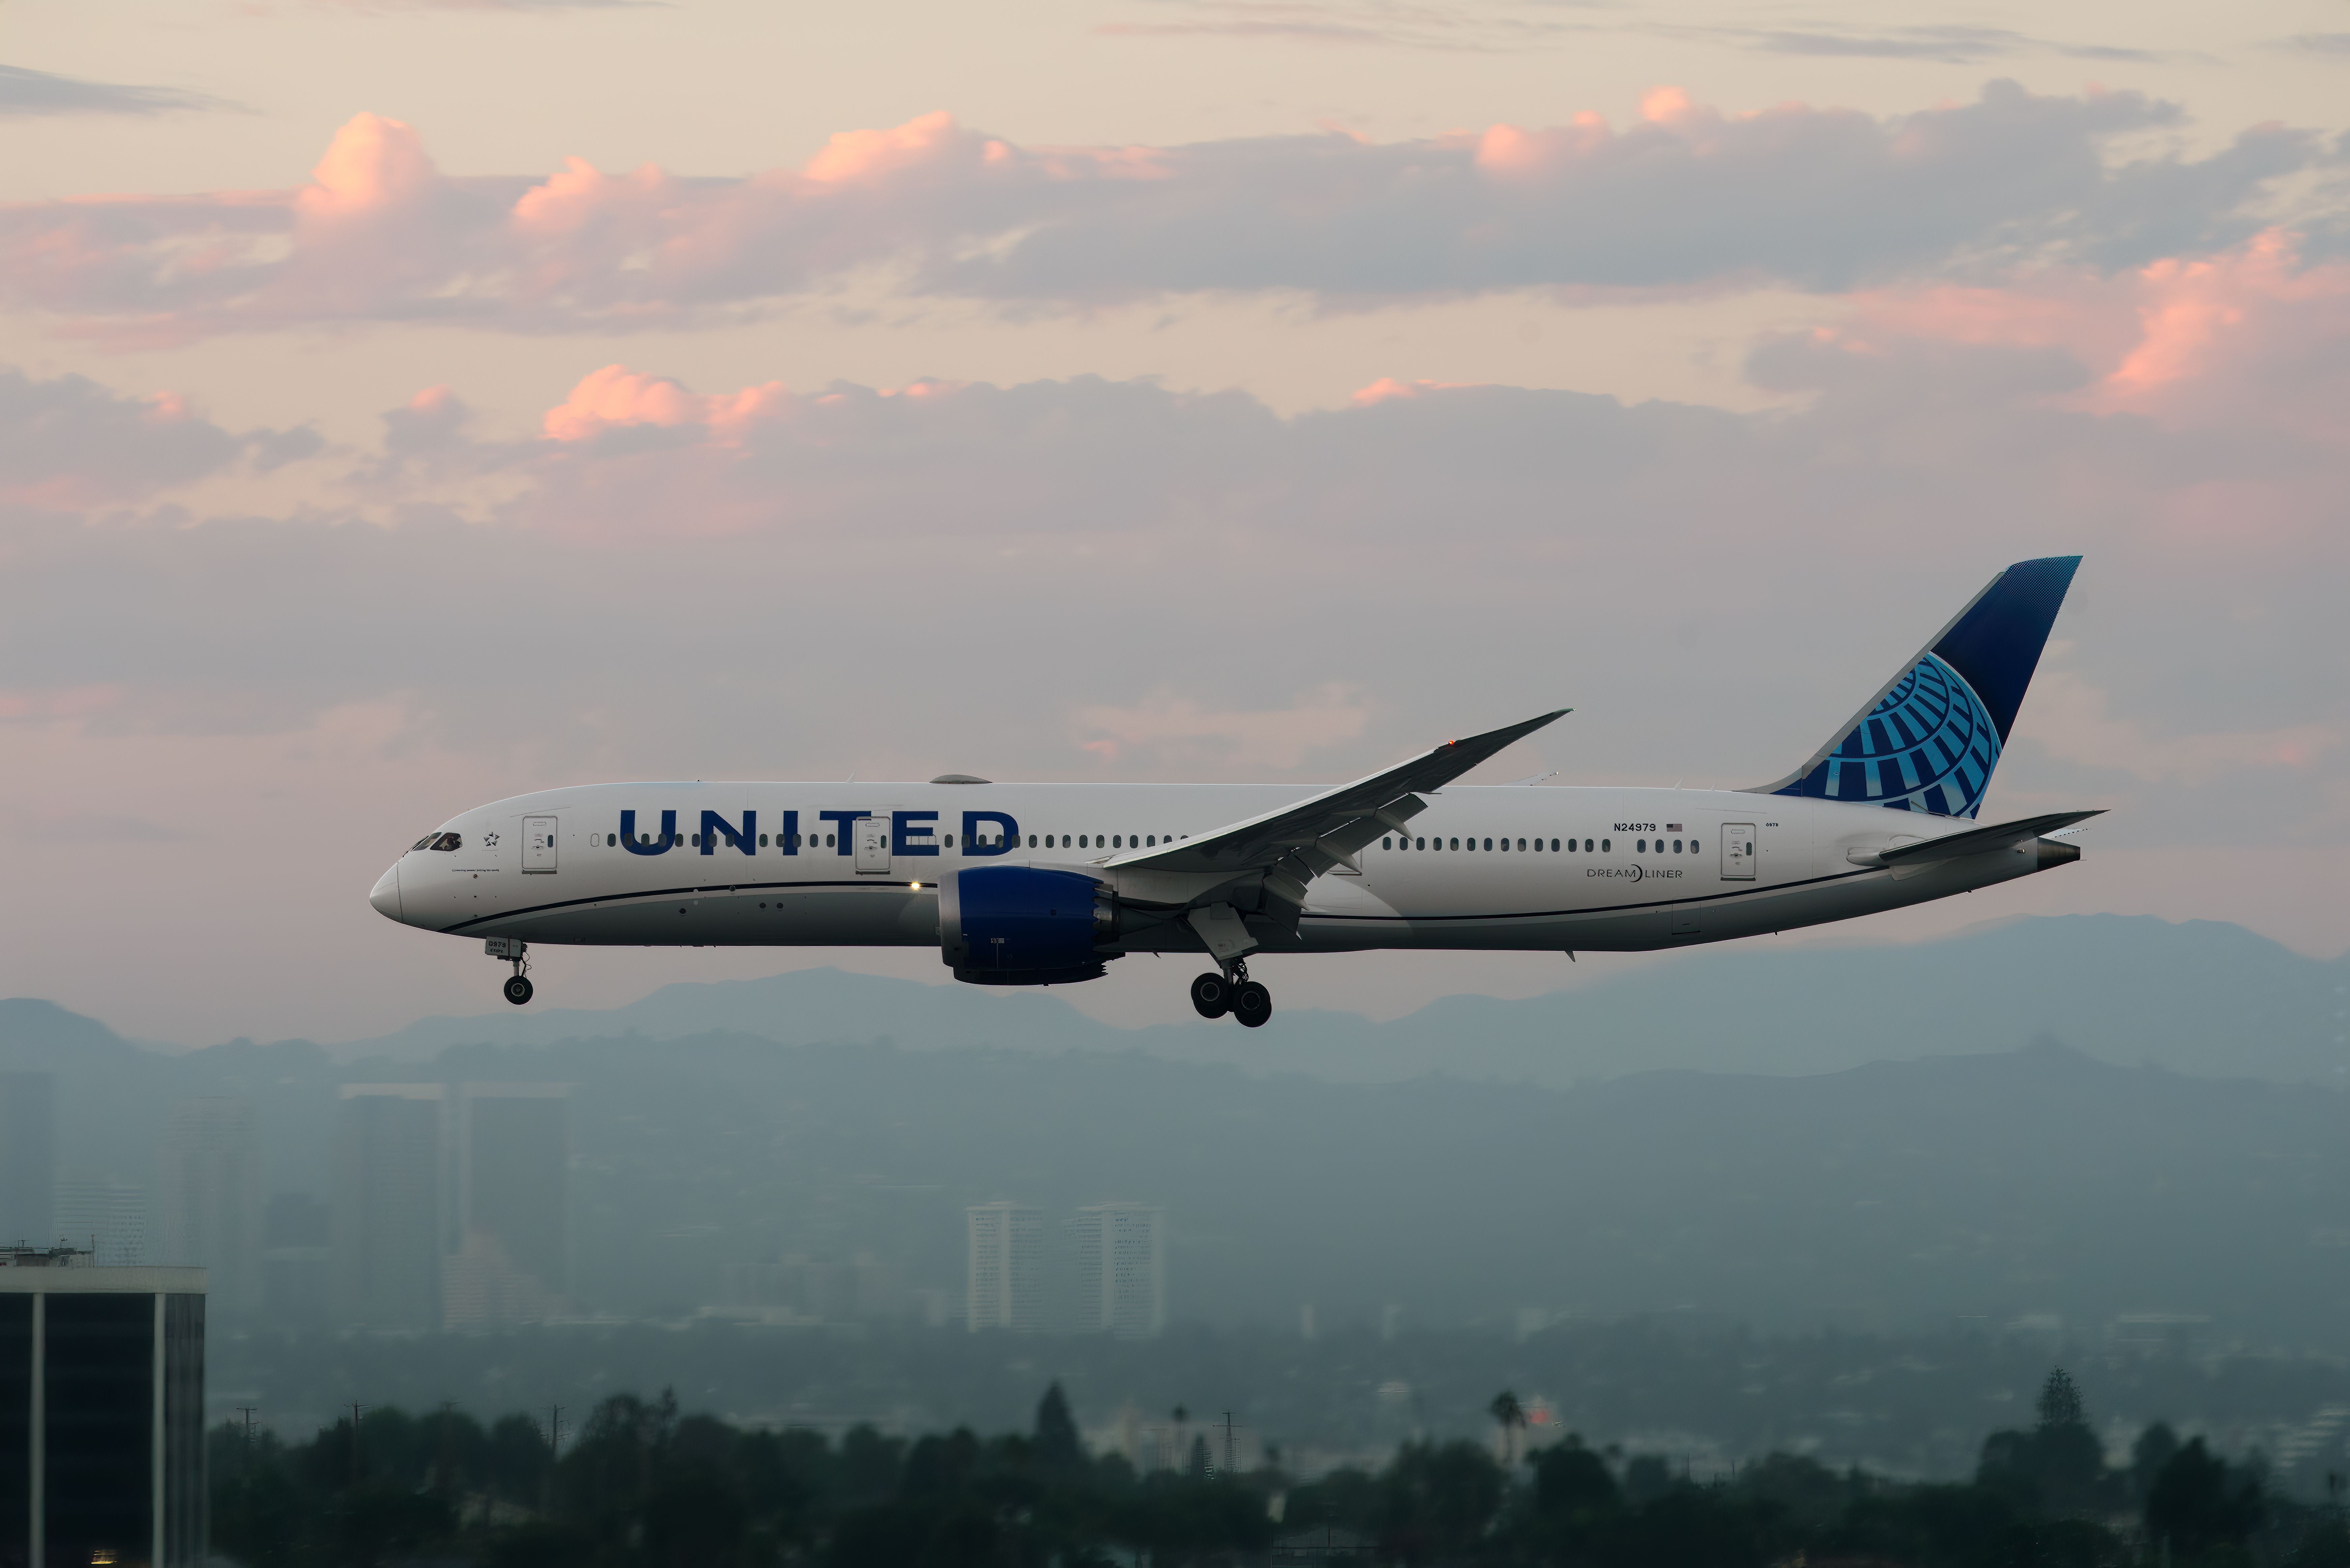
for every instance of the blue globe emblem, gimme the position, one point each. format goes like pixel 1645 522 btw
pixel 1930 745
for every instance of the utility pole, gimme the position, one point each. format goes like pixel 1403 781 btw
pixel 357 1411
pixel 554 1452
pixel 444 1458
pixel 246 1411
pixel 1228 1442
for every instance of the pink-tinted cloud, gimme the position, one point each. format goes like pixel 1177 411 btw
pixel 70 443
pixel 616 397
pixel 1687 197
pixel 2252 334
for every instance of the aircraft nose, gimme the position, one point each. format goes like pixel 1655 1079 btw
pixel 386 897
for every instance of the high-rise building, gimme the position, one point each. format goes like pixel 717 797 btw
pixel 208 1179
pixel 388 1226
pixel 514 1172
pixel 297 1244
pixel 1118 1264
pixel 1006 1287
pixel 106 1218
pixel 101 1411
pixel 28 1158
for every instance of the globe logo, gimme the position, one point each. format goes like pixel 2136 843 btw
pixel 1930 745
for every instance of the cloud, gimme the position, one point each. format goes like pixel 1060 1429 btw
pixel 1684 199
pixel 71 443
pixel 1949 44
pixel 2253 335
pixel 24 91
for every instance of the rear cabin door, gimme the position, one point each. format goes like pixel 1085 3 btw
pixel 873 847
pixel 1737 852
pixel 538 844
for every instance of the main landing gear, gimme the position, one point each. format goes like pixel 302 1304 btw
pixel 512 950
pixel 1213 995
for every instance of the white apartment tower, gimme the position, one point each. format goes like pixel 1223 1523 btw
pixel 1119 1253
pixel 1005 1287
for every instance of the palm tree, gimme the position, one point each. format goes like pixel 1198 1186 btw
pixel 1512 1417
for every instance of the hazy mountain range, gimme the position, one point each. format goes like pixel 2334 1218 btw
pixel 1962 1177
pixel 2202 998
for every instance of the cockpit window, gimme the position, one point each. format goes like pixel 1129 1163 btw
pixel 425 842
pixel 449 841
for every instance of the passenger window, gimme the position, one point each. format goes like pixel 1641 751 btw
pixel 1607 846
pixel 1031 841
pixel 1641 848
pixel 611 840
pixel 1489 843
pixel 1676 846
pixel 1692 847
pixel 1553 845
pixel 1522 843
pixel 1456 843
pixel 829 843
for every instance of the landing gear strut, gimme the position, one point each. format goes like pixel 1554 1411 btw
pixel 513 949
pixel 1231 990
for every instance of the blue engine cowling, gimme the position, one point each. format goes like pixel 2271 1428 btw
pixel 1018 925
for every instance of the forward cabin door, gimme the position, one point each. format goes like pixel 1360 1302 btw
pixel 538 844
pixel 873 847
pixel 1737 852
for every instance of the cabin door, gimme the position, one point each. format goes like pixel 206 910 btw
pixel 1737 852
pixel 538 843
pixel 873 847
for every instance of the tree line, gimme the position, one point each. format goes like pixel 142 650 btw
pixel 643 1486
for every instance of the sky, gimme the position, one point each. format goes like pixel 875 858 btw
pixel 406 405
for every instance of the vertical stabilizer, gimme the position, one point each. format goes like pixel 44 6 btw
pixel 1929 739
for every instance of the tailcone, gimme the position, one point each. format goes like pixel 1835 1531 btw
pixel 2055 852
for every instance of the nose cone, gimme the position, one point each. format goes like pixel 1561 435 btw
pixel 386 897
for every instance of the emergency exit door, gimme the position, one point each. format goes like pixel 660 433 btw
pixel 1737 852
pixel 538 844
pixel 873 847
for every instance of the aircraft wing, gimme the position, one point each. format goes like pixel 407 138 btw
pixel 1295 844
pixel 1982 840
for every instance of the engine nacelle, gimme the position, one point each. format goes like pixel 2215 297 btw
pixel 1019 925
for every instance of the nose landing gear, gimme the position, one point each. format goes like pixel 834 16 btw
pixel 513 949
pixel 1231 990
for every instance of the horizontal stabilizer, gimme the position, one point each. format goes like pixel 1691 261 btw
pixel 1983 840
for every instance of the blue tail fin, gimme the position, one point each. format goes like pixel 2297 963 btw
pixel 1929 740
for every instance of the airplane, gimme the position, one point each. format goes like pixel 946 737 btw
pixel 1048 884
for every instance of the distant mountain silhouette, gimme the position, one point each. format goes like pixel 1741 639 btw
pixel 1867 1137
pixel 2202 998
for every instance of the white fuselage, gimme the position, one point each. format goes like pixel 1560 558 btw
pixel 1649 868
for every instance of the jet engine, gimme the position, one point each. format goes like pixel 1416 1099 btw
pixel 1020 925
